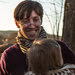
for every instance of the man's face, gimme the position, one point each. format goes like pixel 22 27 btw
pixel 30 27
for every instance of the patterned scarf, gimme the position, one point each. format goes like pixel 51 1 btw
pixel 65 70
pixel 24 43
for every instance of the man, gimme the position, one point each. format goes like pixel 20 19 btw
pixel 28 18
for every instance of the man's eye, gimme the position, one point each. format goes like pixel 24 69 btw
pixel 36 20
pixel 26 21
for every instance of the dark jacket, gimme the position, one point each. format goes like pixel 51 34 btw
pixel 14 62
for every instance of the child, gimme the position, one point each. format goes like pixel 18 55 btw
pixel 45 58
pixel 44 55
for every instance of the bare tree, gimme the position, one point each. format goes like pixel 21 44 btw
pixel 57 14
pixel 69 24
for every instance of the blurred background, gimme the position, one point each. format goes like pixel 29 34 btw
pixel 58 21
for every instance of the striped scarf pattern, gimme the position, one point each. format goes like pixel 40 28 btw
pixel 24 43
pixel 66 70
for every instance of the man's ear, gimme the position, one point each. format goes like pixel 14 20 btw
pixel 17 24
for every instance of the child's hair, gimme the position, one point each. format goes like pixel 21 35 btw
pixel 44 55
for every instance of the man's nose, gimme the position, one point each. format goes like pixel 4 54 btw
pixel 32 24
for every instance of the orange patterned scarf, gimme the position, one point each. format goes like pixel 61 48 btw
pixel 24 43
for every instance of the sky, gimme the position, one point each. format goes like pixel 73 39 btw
pixel 49 19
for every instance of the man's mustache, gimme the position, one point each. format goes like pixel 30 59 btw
pixel 30 29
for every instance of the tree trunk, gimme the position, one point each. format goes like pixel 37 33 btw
pixel 68 35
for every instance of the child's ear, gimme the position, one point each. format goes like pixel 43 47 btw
pixel 17 24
